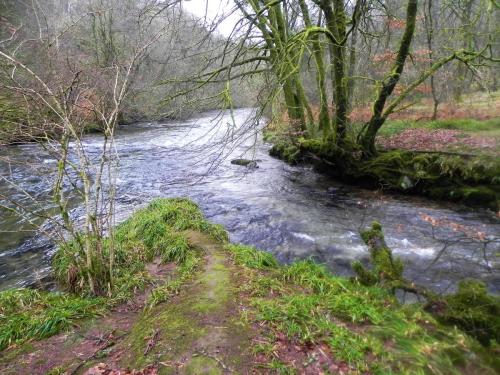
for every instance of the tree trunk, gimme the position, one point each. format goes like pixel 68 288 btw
pixel 336 23
pixel 389 83
pixel 324 116
pixel 429 25
pixel 352 68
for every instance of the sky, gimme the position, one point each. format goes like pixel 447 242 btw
pixel 213 9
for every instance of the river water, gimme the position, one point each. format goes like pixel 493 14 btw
pixel 291 211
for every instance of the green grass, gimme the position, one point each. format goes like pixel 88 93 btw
pixel 27 313
pixel 250 257
pixel 155 231
pixel 364 326
pixel 489 127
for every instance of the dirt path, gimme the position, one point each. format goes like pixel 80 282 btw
pixel 198 331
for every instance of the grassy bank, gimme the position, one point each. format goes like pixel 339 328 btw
pixel 465 177
pixel 490 127
pixel 227 307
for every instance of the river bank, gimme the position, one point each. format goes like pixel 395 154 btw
pixel 199 303
pixel 291 211
pixel 465 178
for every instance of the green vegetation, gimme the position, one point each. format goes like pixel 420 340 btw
pixel 26 314
pixel 155 231
pixel 470 180
pixel 202 317
pixel 489 127
pixel 474 310
pixel 364 326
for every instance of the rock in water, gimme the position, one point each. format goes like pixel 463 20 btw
pixel 245 162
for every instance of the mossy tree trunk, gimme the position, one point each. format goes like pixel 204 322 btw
pixel 324 120
pixel 270 20
pixel 335 17
pixel 389 83
pixel 429 27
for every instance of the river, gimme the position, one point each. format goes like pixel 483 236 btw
pixel 291 211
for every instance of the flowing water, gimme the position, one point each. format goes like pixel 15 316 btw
pixel 291 211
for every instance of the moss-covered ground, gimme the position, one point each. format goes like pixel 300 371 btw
pixel 229 308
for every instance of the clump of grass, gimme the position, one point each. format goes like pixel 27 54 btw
pixel 28 313
pixel 250 257
pixel 155 231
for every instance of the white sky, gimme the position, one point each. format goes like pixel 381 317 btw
pixel 212 10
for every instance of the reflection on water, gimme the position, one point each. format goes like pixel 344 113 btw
pixel 292 212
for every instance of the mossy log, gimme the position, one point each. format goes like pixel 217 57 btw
pixel 245 163
pixel 471 308
pixel 386 270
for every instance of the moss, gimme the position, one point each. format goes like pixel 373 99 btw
pixel 202 365
pixel 474 311
pixel 386 269
pixel 215 285
pixel 302 306
pixel 363 325
pixel 153 231
pixel 156 231
pixel 478 196
pixel 470 180
pixel 245 163
pixel 287 150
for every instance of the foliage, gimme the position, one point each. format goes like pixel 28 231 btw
pixel 364 326
pixel 474 311
pixel 155 231
pixel 28 313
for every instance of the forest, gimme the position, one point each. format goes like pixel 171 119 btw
pixel 249 186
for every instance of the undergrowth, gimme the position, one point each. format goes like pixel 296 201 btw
pixel 363 326
pixel 155 231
